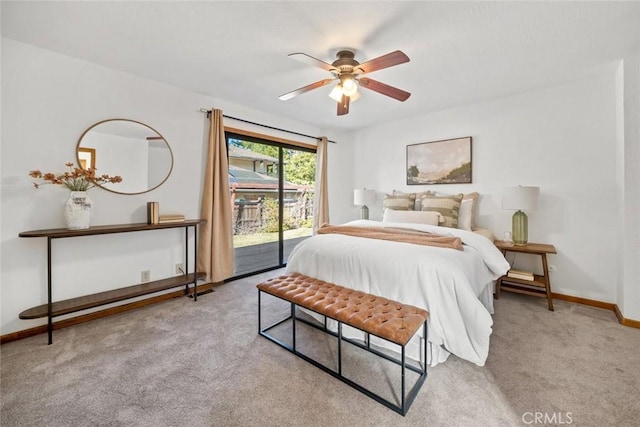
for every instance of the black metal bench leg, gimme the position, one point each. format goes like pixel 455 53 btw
pixel 293 316
pixel 340 348
pixel 259 312
pixel 402 387
pixel 405 400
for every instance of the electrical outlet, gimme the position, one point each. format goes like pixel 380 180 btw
pixel 145 276
pixel 180 268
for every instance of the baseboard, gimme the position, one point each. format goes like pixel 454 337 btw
pixel 102 313
pixel 626 322
pixel 599 304
pixel 585 301
pixel 14 336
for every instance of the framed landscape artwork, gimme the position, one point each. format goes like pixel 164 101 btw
pixel 439 162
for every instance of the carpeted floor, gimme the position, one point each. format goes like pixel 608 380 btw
pixel 181 363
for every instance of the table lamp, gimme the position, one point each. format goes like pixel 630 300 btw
pixel 520 199
pixel 363 197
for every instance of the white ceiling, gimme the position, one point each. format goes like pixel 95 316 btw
pixel 461 52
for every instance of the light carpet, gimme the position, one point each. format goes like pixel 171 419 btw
pixel 185 363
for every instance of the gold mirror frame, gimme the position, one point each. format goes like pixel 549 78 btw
pixel 88 155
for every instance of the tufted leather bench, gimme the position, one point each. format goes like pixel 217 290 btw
pixel 378 316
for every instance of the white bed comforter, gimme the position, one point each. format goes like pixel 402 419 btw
pixel 454 286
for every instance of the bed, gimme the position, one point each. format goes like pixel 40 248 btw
pixel 455 286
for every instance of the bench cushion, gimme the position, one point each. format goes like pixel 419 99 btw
pixel 380 316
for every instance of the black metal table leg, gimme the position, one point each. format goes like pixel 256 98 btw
pixel 49 294
pixel 195 262
pixel 186 257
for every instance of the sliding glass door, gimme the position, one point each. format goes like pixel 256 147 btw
pixel 272 188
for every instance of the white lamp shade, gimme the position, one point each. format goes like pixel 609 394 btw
pixel 363 197
pixel 336 93
pixel 520 198
pixel 349 87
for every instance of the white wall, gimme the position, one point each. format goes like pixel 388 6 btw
pixel 48 100
pixel 562 139
pixel 629 188
pixel 341 159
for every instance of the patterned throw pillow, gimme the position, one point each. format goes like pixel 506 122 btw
pixel 419 198
pixel 447 206
pixel 397 193
pixel 401 202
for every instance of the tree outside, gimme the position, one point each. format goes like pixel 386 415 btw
pixel 300 166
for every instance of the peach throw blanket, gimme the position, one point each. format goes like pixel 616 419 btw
pixel 394 234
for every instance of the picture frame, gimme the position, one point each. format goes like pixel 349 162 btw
pixel 87 157
pixel 447 161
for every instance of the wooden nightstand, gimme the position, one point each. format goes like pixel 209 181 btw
pixel 540 286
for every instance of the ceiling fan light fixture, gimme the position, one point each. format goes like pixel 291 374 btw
pixel 336 93
pixel 349 86
pixel 349 75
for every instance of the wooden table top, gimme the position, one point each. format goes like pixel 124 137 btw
pixel 532 248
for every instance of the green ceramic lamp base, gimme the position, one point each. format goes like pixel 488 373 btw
pixel 364 214
pixel 519 228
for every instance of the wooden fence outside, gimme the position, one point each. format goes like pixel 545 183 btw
pixel 253 216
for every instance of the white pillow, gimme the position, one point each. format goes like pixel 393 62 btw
pixel 412 217
pixel 467 213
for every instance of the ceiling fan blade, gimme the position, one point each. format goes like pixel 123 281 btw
pixel 343 105
pixel 384 89
pixel 303 57
pixel 287 96
pixel 384 61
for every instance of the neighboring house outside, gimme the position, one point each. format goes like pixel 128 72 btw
pixel 253 181
pixel 252 161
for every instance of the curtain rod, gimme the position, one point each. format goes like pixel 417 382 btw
pixel 204 110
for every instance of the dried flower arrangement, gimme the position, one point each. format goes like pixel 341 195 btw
pixel 75 179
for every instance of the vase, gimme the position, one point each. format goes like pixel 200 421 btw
pixel 77 210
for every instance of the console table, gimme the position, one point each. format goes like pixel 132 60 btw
pixel 52 309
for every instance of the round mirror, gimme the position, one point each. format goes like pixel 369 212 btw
pixel 130 149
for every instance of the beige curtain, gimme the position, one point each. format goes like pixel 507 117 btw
pixel 321 202
pixel 215 243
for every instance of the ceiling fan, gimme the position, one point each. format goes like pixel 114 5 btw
pixel 349 74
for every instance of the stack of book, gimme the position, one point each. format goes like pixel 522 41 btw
pixel 153 212
pixel 163 219
pixel 154 217
pixel 520 274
